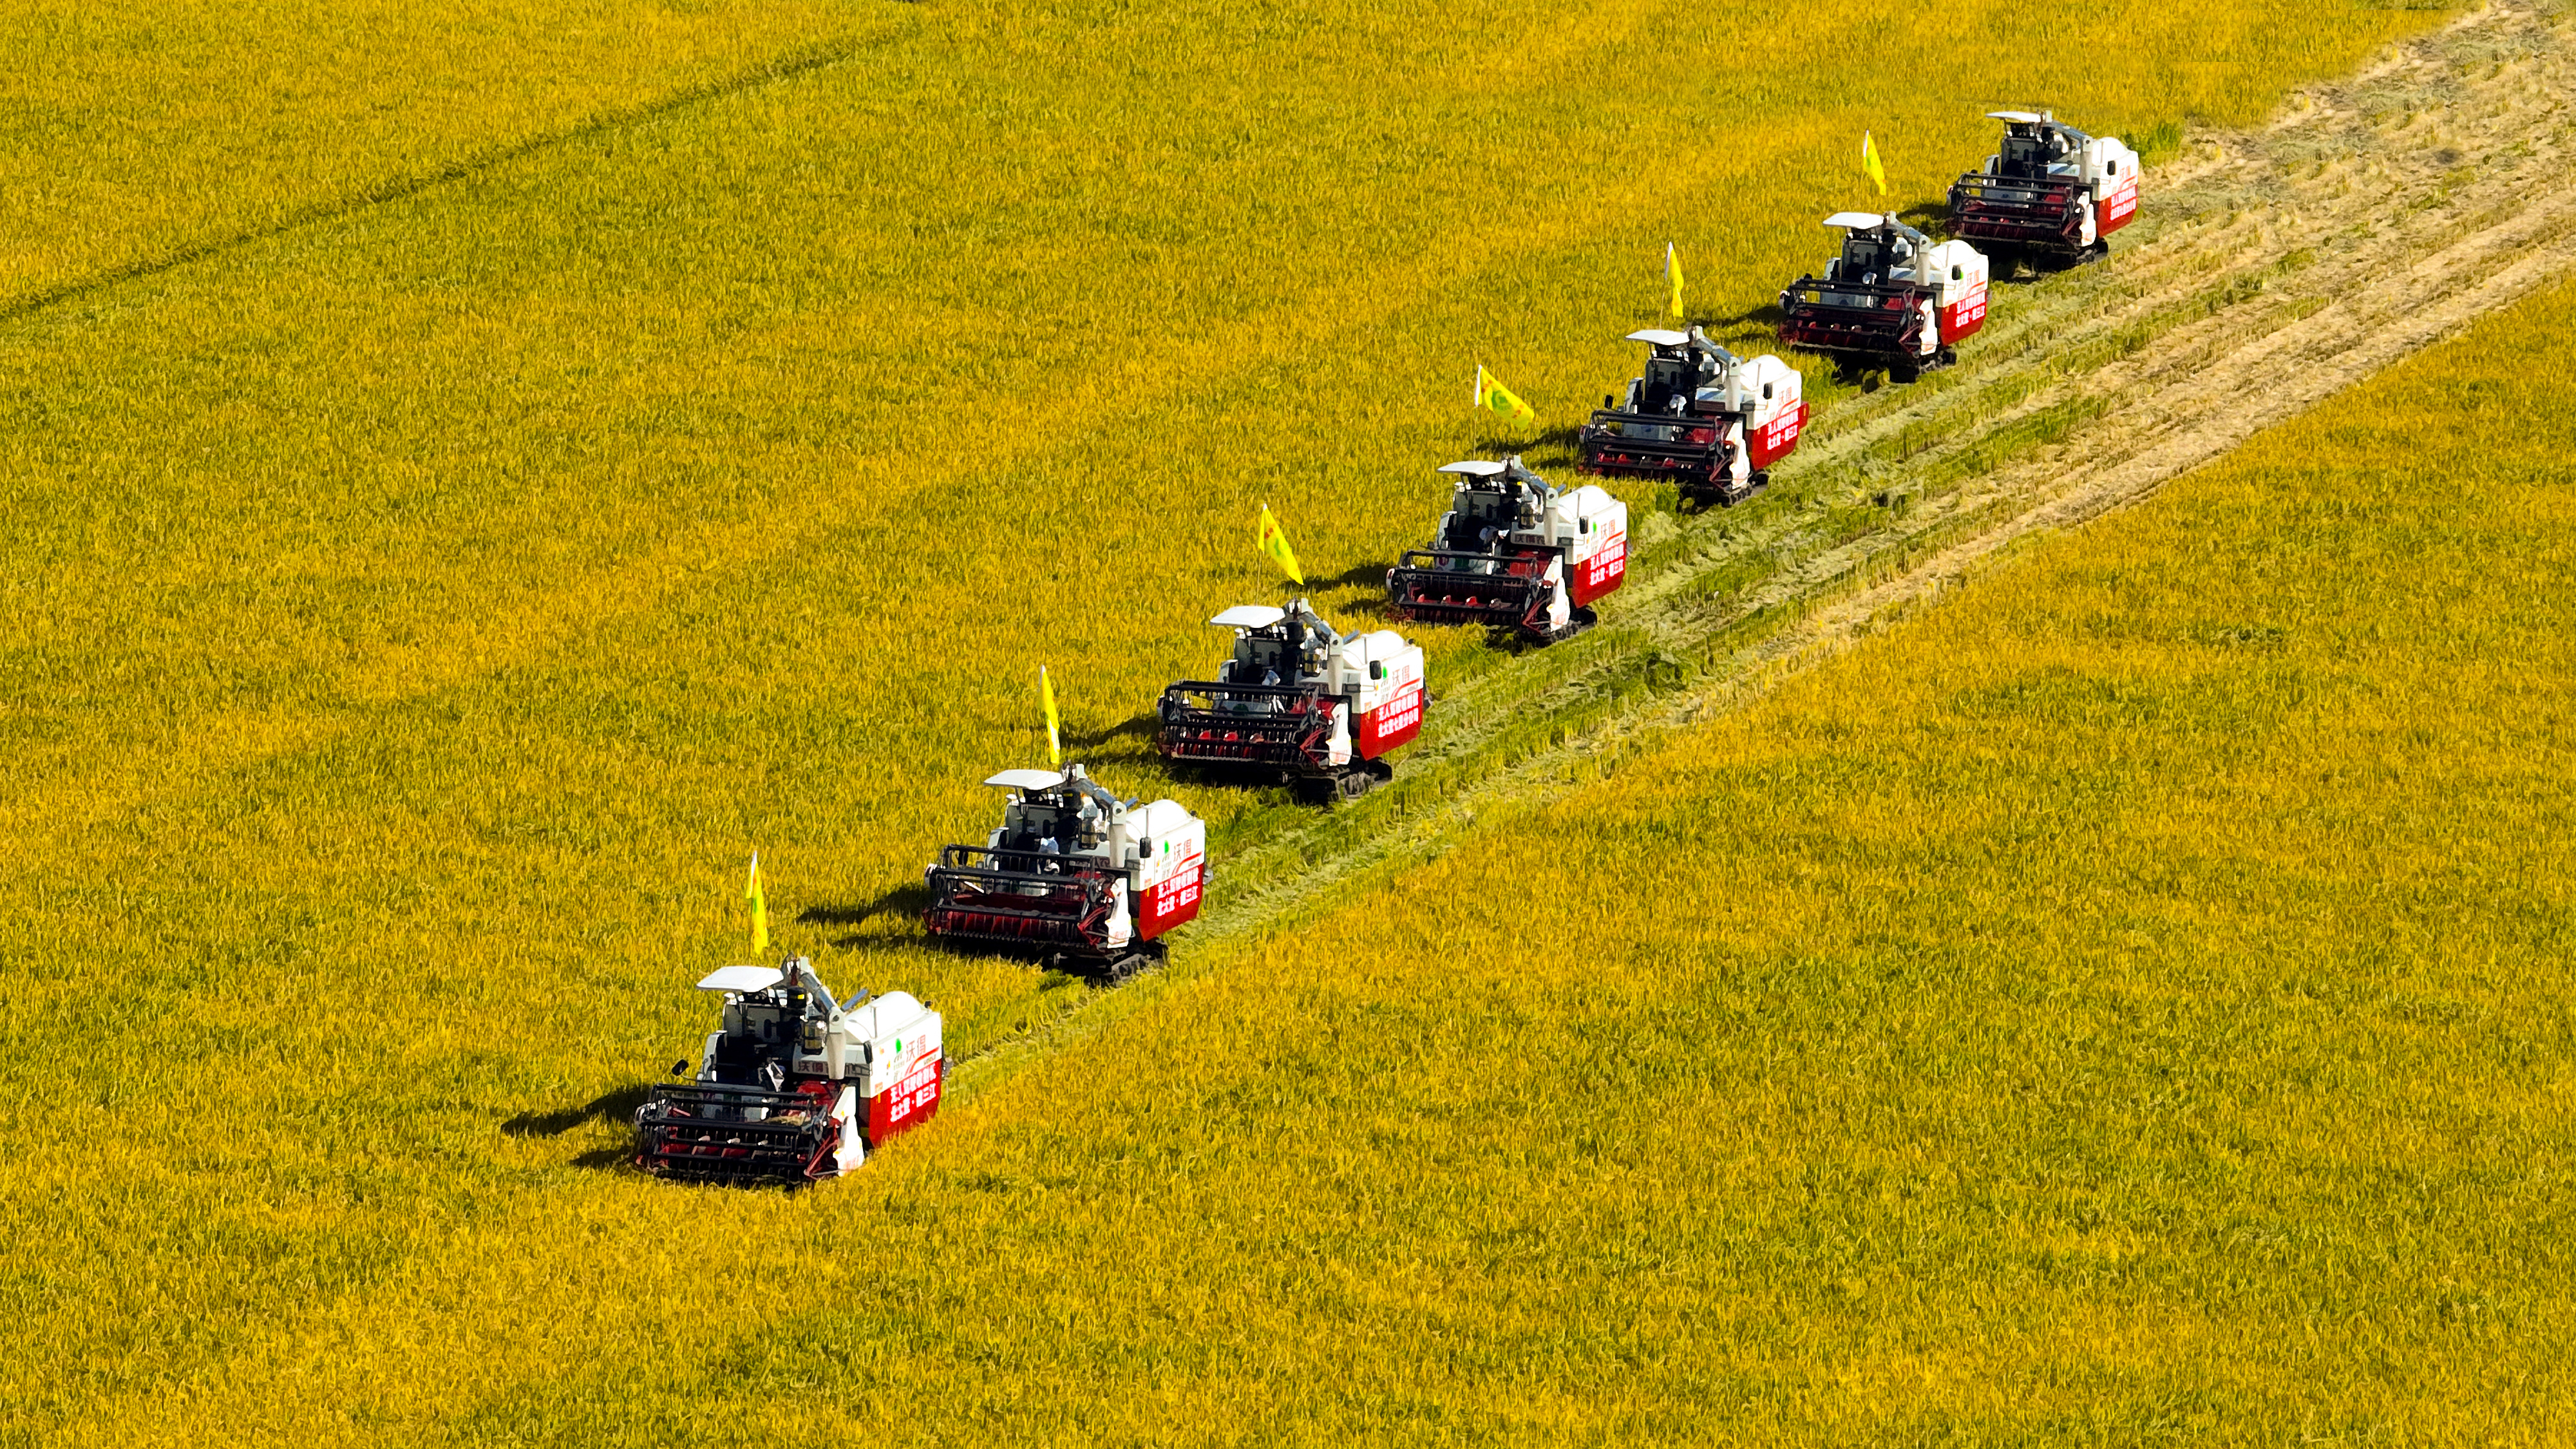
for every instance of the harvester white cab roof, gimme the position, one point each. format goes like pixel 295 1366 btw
pixel 1478 468
pixel 1027 779
pixel 1250 616
pixel 742 978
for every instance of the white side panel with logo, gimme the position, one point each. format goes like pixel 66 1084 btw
pixel 1171 866
pixel 1779 410
pixel 2111 175
pixel 1592 527
pixel 1956 272
pixel 1381 675
pixel 891 1048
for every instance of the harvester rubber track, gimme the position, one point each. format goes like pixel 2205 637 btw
pixel 702 1132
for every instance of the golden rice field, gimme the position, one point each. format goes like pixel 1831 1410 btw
pixel 2127 1003
pixel 419 611
pixel 136 133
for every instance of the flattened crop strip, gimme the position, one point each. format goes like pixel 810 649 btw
pixel 2273 269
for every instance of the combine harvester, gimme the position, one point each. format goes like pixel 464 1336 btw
pixel 1299 704
pixel 1699 416
pixel 2052 196
pixel 794 1087
pixel 1515 555
pixel 1088 881
pixel 1892 299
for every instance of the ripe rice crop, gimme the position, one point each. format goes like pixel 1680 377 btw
pixel 137 133
pixel 417 616
pixel 2128 1001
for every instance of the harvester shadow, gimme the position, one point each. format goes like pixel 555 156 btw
pixel 1356 576
pixel 908 899
pixel 905 902
pixel 1767 315
pixel 1134 727
pixel 1928 216
pixel 617 1106
pixel 2008 271
pixel 1537 447
pixel 904 945
pixel 1563 438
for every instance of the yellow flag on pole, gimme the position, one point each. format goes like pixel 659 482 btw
pixel 1491 394
pixel 1869 163
pixel 1274 542
pixel 759 908
pixel 1673 274
pixel 1046 701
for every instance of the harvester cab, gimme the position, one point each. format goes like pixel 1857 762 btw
pixel 1710 421
pixel 1088 881
pixel 793 1086
pixel 1299 703
pixel 2050 194
pixel 1515 554
pixel 1894 298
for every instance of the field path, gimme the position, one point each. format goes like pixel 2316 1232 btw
pixel 2414 199
pixel 2276 268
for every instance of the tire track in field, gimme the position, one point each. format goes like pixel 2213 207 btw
pixel 2371 219
pixel 514 631
pixel 2228 216
pixel 474 161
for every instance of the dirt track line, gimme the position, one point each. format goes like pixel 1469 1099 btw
pixel 475 161
pixel 2369 220
pixel 2474 224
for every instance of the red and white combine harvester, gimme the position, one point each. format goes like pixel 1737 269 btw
pixel 1514 554
pixel 1892 299
pixel 1087 880
pixel 2052 195
pixel 1699 416
pixel 1300 704
pixel 794 1086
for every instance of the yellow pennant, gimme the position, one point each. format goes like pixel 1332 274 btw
pixel 1274 543
pixel 759 908
pixel 1869 163
pixel 1673 274
pixel 1046 701
pixel 1491 394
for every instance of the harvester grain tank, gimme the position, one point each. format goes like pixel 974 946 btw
pixel 794 1086
pixel 1893 298
pixel 1515 554
pixel 2050 194
pixel 1699 416
pixel 1299 703
pixel 1083 879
